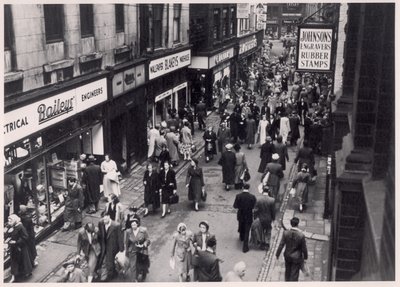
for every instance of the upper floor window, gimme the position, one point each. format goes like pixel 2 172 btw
pixel 157 24
pixel 119 18
pixel 225 17
pixel 7 27
pixel 54 22
pixel 86 12
pixel 233 20
pixel 177 22
pixel 216 32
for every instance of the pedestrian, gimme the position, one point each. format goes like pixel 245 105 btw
pixel 110 177
pixel 151 189
pixel 72 273
pixel 305 155
pixel 281 150
pixel 266 152
pixel 201 111
pixel 187 141
pixel 152 134
pixel 210 148
pixel 113 208
pixel 195 183
pixel 167 187
pixel 181 251
pixel 240 167
pixel 233 124
pixel 160 142
pixel 262 131
pixel 206 263
pixel 131 214
pixel 275 174
pixel 136 250
pixel 294 121
pixel 200 238
pixel 302 108
pixel 228 163
pixel 88 247
pixel 295 253
pixel 74 202
pixel 265 211
pixel 164 156
pixel 300 183
pixel 111 242
pixel 223 136
pixel 239 271
pixel 284 127
pixel 251 130
pixel 242 126
pixel 92 179
pixel 273 127
pixel 16 237
pixel 172 143
pixel 27 222
pixel 284 82
pixel 245 203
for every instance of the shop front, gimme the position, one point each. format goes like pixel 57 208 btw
pixel 43 142
pixel 126 115
pixel 272 29
pixel 167 89
pixel 210 73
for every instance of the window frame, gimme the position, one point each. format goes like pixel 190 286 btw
pixel 216 24
pixel 177 22
pixel 155 20
pixel 8 28
pixel 233 19
pixel 87 20
pixel 54 20
pixel 119 18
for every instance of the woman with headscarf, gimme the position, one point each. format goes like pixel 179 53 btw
pixel 17 239
pixel 195 183
pixel 284 127
pixel 136 249
pixel 74 203
pixel 151 192
pixel 181 251
pixel 210 148
pixel 110 178
pixel 240 167
pixel 300 183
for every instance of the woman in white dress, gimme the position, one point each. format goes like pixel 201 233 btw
pixel 284 127
pixel 262 129
pixel 110 178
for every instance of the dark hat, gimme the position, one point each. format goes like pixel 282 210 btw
pixel 237 147
pixel 246 186
pixel 90 227
pixel 69 262
pixel 205 223
pixel 91 158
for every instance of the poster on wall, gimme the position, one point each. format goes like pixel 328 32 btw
pixel 314 48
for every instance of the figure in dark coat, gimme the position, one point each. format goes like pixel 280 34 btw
pixel 233 123
pixel 195 183
pixel 273 127
pixel 267 150
pixel 242 127
pixel 167 186
pixel 281 150
pixel 74 203
pixel 210 147
pixel 228 162
pixel 274 169
pixel 223 136
pixel 201 111
pixel 251 130
pixel 245 203
pixel 151 189
pixel 206 264
pixel 265 212
pixel 26 220
pixel 294 121
pixel 111 242
pixel 295 253
pixel 92 179
pixel 302 108
pixel 305 155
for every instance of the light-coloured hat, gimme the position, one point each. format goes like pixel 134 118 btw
pixel 229 146
pixel 275 156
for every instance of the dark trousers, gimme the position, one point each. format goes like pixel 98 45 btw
pixel 244 232
pixel 200 119
pixel 292 270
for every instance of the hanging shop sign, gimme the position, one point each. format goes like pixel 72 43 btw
pixel 127 80
pixel 220 57
pixel 168 64
pixel 22 122
pixel 179 87
pixel 248 45
pixel 314 48
pixel 163 95
pixel 243 10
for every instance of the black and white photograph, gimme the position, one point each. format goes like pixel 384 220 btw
pixel 195 141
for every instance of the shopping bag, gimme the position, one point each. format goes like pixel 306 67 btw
pixel 292 192
pixel 246 175
pixel 305 269
pixel 173 199
pixel 172 263
pixel 204 195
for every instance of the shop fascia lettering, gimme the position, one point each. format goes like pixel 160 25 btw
pixel 219 58
pixel 24 121
pixel 168 64
pixel 246 46
pixel 315 48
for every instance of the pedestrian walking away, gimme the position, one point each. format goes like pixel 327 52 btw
pixel 195 183
pixel 281 150
pixel 295 253
pixel 300 183
pixel 206 263
pixel 240 167
pixel 92 178
pixel 181 251
pixel 275 174
pixel 151 189
pixel 74 201
pixel 228 163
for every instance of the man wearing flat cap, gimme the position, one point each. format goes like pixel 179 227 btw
pixel 92 179
pixel 228 162
pixel 275 174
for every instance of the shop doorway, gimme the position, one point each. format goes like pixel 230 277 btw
pixel 118 140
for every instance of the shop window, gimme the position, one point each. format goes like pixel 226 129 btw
pixel 157 24
pixel 13 88
pixel 216 31
pixel 232 25
pixel 177 22
pixel 54 22
pixel 86 13
pixel 119 18
pixel 7 27
pixel 225 22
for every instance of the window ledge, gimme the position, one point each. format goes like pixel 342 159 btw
pixel 58 65
pixel 90 57
pixel 122 49
pixel 13 76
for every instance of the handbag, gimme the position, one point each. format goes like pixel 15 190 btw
pixel 305 269
pixel 173 199
pixel 246 176
pixel 204 195
pixel 292 192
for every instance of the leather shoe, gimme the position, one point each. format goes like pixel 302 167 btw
pixel 163 215
pixel 245 249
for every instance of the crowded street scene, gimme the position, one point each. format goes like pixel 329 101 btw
pixel 197 143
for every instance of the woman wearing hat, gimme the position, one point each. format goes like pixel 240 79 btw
pixel 72 274
pixel 181 251
pixel 136 249
pixel 300 183
pixel 151 192
pixel 16 237
pixel 200 238
pixel 110 179
pixel 240 167
pixel 74 203
pixel 210 148
pixel 195 183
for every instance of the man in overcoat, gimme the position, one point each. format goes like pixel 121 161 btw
pixel 295 253
pixel 228 162
pixel 265 211
pixel 206 263
pixel 275 171
pixel 92 179
pixel 244 203
pixel 111 242
pixel 281 150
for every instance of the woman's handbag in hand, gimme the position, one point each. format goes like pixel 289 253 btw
pixel 173 199
pixel 204 195
pixel 305 269
pixel 246 176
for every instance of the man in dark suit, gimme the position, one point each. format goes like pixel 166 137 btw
pixel 201 111
pixel 245 203
pixel 92 179
pixel 110 237
pixel 265 211
pixel 295 252
pixel 275 171
pixel 206 263
pixel 281 150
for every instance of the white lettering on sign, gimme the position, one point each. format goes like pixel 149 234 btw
pixel 315 49
pixel 219 58
pixel 32 118
pixel 246 46
pixel 169 63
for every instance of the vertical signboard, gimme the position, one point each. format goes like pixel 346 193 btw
pixel 314 48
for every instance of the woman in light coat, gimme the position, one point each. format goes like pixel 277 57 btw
pixel 262 129
pixel 187 141
pixel 284 127
pixel 110 178
pixel 240 166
